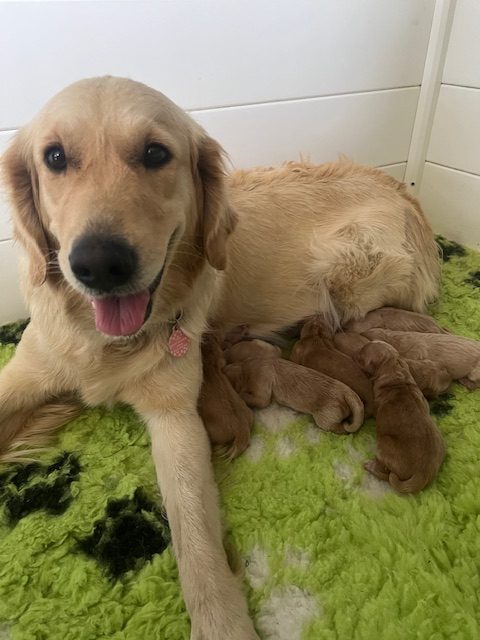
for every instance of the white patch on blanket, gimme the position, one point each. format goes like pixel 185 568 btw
pixel 285 447
pixel 344 471
pixel 370 485
pixel 297 558
pixel 374 487
pixel 276 418
pixel 4 633
pixel 256 448
pixel 312 434
pixel 285 613
pixel 257 568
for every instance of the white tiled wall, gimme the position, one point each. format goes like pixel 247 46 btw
pixel 450 190
pixel 270 79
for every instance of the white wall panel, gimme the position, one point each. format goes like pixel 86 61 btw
pixel 455 138
pixel 451 200
pixel 12 306
pixel 463 57
pixel 372 128
pixel 397 171
pixel 210 52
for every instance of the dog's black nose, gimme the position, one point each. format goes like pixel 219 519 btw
pixel 102 262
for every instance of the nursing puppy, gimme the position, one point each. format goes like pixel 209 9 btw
pixel 260 375
pixel 316 352
pixel 432 378
pixel 460 356
pixel 136 241
pixel 226 417
pixel 410 447
pixel 395 320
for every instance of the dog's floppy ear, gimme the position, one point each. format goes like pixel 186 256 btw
pixel 20 179
pixel 218 219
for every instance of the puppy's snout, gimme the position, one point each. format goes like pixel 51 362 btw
pixel 103 262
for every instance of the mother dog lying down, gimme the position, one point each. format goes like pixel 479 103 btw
pixel 136 241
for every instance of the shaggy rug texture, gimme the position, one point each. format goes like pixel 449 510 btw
pixel 327 551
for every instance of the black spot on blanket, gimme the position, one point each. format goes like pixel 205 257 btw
pixel 132 531
pixel 474 279
pixel 442 406
pixel 450 248
pixel 11 333
pixel 25 489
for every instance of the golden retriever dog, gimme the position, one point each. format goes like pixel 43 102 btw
pixel 226 417
pixel 432 378
pixel 319 353
pixel 410 447
pixel 396 320
pixel 460 356
pixel 137 241
pixel 259 374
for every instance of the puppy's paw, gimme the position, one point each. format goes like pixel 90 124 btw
pixel 377 469
pixel 470 384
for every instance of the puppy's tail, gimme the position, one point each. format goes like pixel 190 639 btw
pixel 38 428
pixel 357 412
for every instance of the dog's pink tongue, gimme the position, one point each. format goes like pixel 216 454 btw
pixel 121 315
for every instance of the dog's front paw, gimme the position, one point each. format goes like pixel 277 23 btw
pixel 241 629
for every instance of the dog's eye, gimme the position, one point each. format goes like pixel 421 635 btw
pixel 55 158
pixel 156 155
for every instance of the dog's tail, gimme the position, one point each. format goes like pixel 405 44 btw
pixel 357 413
pixel 38 427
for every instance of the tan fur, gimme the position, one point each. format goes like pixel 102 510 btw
pixel 296 241
pixel 460 356
pixel 410 447
pixel 226 417
pixel 260 375
pixel 395 320
pixel 248 349
pixel 337 256
pixel 316 352
pixel 431 377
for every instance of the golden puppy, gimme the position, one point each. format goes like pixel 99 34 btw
pixel 316 352
pixel 410 447
pixel 460 356
pixel 395 320
pixel 136 241
pixel 260 375
pixel 226 417
pixel 432 378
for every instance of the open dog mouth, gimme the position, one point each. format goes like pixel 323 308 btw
pixel 125 315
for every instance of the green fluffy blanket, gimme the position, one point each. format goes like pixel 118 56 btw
pixel 327 551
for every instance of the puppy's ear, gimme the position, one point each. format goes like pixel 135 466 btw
pixel 317 326
pixel 373 354
pixel 218 219
pixel 368 358
pixel 20 179
pixel 234 373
